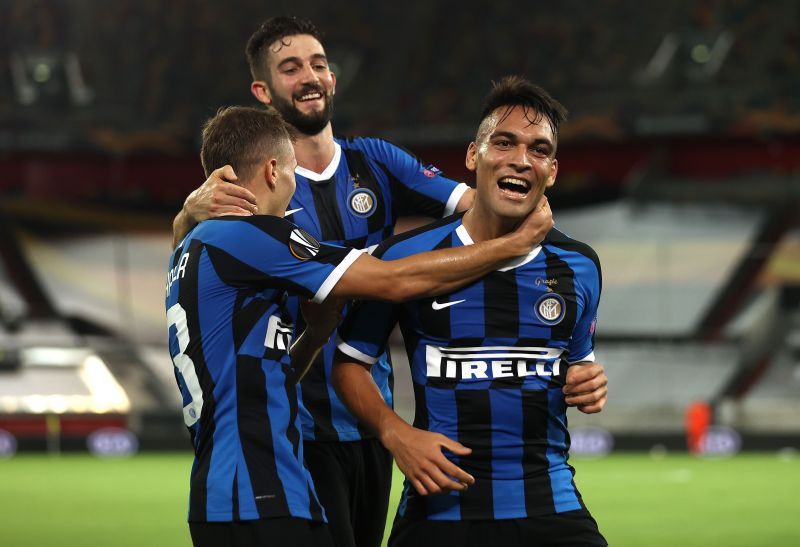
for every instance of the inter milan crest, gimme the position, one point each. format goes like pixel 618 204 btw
pixel 361 202
pixel 550 308
pixel 302 244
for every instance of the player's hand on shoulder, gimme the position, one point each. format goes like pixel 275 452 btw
pixel 219 196
pixel 586 387
pixel 418 454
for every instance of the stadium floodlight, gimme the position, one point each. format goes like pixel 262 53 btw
pixel 95 390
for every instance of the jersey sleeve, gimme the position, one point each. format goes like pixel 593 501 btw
pixel 581 346
pixel 417 189
pixel 270 251
pixel 365 331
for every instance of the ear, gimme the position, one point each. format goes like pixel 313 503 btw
pixel 270 170
pixel 261 92
pixel 471 162
pixel 333 86
pixel 552 178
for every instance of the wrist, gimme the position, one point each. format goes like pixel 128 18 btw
pixel 318 337
pixel 390 431
pixel 516 245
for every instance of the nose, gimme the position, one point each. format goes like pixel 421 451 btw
pixel 519 158
pixel 307 74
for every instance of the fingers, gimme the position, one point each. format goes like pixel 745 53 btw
pixel 587 398
pixel 455 447
pixel 422 461
pixel 544 204
pixel 233 196
pixel 586 387
pixel 545 211
pixel 226 173
pixel 595 407
pixel 230 210
pixel 584 377
pixel 417 484
pixel 431 479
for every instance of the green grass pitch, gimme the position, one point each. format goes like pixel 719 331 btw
pixel 678 500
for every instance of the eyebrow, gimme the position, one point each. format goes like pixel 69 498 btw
pixel 513 137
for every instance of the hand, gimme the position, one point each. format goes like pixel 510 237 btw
pixel 419 456
pixel 219 196
pixel 586 387
pixel 533 229
pixel 322 318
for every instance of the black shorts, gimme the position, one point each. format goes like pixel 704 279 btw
pixel 570 529
pixel 352 480
pixel 258 533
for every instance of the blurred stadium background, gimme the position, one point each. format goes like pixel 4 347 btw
pixel 680 165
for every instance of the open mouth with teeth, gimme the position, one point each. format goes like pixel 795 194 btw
pixel 514 187
pixel 312 96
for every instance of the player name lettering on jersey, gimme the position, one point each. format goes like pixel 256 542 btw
pixel 492 362
pixel 177 272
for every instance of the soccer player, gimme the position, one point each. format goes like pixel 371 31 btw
pixel 494 364
pixel 229 332
pixel 349 192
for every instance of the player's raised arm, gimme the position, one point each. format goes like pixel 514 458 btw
pixel 441 271
pixel 218 195
pixel 418 453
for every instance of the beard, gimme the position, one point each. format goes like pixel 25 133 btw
pixel 308 124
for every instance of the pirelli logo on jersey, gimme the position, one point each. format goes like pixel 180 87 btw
pixel 492 362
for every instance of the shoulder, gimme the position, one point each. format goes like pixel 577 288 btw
pixel 557 240
pixel 424 238
pixel 374 147
pixel 236 227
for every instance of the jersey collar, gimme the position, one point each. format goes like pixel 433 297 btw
pixel 466 239
pixel 327 174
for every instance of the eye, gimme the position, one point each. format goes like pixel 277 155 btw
pixel 502 143
pixel 290 70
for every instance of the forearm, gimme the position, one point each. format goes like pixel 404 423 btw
pixel 443 271
pixel 357 390
pixel 181 226
pixel 304 350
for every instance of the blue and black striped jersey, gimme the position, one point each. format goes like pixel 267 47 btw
pixel 488 363
pixel 229 334
pixel 355 202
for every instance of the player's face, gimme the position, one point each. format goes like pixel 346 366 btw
pixel 302 85
pixel 514 162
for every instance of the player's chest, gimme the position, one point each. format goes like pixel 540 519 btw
pixel 538 301
pixel 343 207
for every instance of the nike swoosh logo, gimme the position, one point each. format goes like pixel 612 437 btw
pixel 437 306
pixel 291 212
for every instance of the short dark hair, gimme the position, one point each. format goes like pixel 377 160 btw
pixel 511 91
pixel 243 136
pixel 274 28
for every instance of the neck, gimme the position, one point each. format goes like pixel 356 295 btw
pixel 483 225
pixel 315 152
pixel 266 201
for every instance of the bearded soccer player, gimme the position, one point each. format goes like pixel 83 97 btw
pixel 494 364
pixel 349 192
